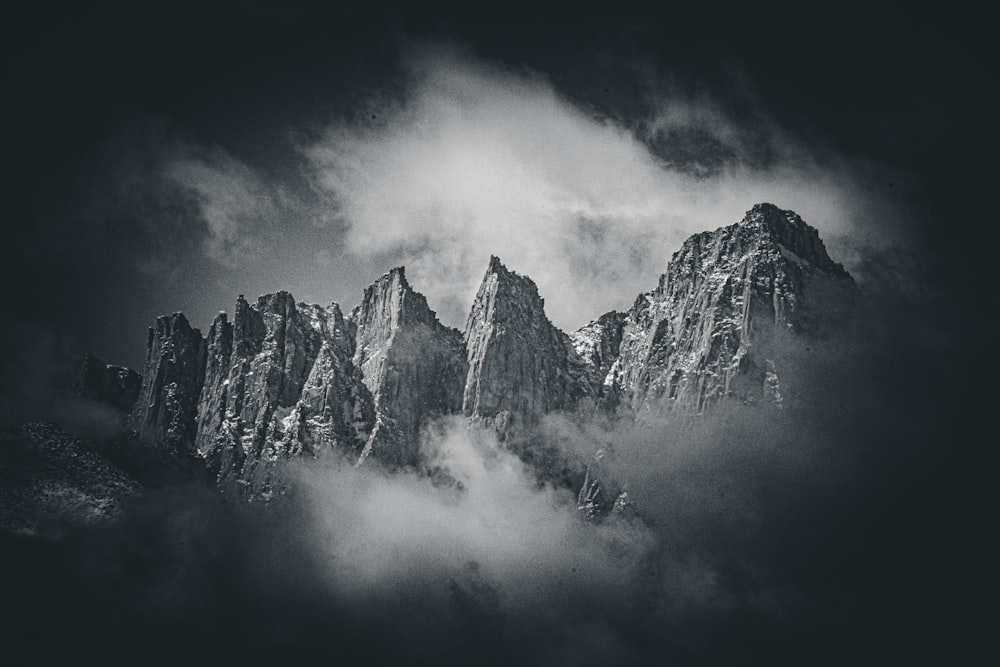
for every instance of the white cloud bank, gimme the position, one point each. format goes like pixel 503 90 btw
pixel 381 533
pixel 479 159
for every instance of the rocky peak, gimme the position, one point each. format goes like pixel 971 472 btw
pixel 278 381
pixel 288 379
pixel 505 296
pixel 389 304
pixel 793 236
pixel 709 329
pixel 168 400
pixel 115 386
pixel 413 365
pixel 520 365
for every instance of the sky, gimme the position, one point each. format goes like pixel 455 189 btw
pixel 170 160
pixel 170 157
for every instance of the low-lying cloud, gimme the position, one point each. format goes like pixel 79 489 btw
pixel 511 545
pixel 790 536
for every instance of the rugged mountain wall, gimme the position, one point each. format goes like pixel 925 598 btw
pixel 279 381
pixel 285 379
pixel 413 365
pixel 520 365
pixel 713 326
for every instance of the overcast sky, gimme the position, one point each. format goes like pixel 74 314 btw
pixel 171 159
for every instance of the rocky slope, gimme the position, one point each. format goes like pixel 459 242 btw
pixel 287 379
pixel 115 386
pixel 715 325
pixel 51 484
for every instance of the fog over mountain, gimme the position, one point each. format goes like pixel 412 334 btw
pixel 523 335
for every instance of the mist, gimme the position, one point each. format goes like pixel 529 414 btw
pixel 170 161
pixel 762 534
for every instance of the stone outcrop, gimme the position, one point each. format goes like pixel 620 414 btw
pixel 115 386
pixel 413 365
pixel 520 365
pixel 165 411
pixel 278 382
pixel 597 345
pixel 713 326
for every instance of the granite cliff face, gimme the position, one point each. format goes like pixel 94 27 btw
pixel 520 365
pixel 279 382
pixel 713 327
pixel 413 365
pixel 287 379
pixel 164 414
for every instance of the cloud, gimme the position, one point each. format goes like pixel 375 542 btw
pixel 476 158
pixel 793 536
pixel 500 531
pixel 234 203
pixel 172 197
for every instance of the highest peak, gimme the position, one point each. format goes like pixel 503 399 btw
pixel 790 233
pixel 783 225
pixel 774 218
pixel 765 208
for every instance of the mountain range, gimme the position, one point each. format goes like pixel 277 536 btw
pixel 283 379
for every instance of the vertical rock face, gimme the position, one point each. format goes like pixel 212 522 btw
pixel 168 400
pixel 520 365
pixel 116 386
pixel 278 381
pixel 414 366
pixel 709 329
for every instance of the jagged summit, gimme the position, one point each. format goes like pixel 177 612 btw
pixel 709 329
pixel 520 365
pixel 413 365
pixel 399 302
pixel 500 293
pixel 797 239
